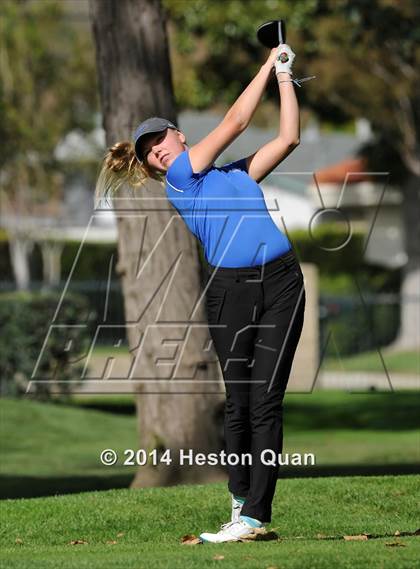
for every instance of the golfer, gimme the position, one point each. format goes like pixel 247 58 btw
pixel 255 295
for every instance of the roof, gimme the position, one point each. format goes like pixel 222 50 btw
pixel 316 150
pixel 352 170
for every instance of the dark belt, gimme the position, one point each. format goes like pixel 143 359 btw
pixel 286 259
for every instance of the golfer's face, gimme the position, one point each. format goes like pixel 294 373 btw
pixel 161 149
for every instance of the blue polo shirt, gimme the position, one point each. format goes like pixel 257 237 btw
pixel 225 209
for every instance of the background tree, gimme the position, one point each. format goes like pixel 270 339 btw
pixel 368 55
pixel 135 82
pixel 47 88
pixel 365 56
pixel 215 52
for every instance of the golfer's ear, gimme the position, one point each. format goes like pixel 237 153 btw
pixel 181 136
pixel 204 153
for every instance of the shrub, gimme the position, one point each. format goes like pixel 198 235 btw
pixel 26 319
pixel 357 324
pixel 311 249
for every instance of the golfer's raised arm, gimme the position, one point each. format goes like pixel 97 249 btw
pixel 264 160
pixel 238 117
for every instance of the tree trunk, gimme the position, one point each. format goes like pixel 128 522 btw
pixel 409 333
pixel 135 83
pixel 51 263
pixel 20 247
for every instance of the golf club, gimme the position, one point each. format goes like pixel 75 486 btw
pixel 272 33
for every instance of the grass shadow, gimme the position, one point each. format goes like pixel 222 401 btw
pixel 374 411
pixel 12 487
pixel 37 486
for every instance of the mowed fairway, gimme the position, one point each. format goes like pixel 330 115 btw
pixel 48 449
pixel 143 528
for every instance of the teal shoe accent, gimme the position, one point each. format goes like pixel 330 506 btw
pixel 239 499
pixel 251 521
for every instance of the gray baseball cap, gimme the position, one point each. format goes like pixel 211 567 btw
pixel 153 124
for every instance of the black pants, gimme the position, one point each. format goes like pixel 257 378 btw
pixel 255 317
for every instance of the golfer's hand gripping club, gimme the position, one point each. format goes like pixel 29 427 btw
pixel 284 60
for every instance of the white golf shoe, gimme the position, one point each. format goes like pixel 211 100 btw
pixel 231 531
pixel 237 504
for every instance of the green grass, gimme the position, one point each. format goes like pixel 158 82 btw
pixel 103 350
pixel 395 362
pixel 60 439
pixel 354 428
pixel 147 525
pixel 48 448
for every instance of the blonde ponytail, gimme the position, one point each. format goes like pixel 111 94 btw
pixel 121 166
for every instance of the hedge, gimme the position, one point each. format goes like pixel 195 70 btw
pixel 93 262
pixel 26 319
pixel 338 271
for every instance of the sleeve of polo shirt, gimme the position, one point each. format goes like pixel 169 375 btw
pixel 180 176
pixel 235 165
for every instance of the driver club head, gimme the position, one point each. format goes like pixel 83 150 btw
pixel 272 33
